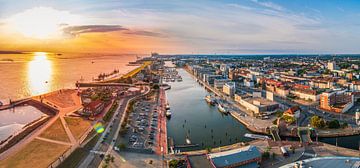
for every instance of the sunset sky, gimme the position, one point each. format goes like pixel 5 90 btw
pixel 207 27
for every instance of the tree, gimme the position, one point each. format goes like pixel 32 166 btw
pixel 208 149
pixel 156 87
pixel 266 155
pixel 334 124
pixel 122 146
pixel 273 155
pixel 173 163
pixel 279 113
pixel 344 125
pixel 289 119
pixel 317 122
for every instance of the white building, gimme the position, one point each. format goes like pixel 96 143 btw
pixel 248 83
pixel 229 89
pixel 332 66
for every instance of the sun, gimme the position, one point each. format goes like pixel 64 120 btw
pixel 42 22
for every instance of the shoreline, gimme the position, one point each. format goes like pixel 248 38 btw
pixel 35 101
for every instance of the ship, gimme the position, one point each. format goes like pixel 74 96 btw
pixel 210 99
pixel 168 113
pixel 167 107
pixel 256 136
pixel 222 109
pixel 167 87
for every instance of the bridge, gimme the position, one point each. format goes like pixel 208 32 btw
pixel 274 131
pixel 304 134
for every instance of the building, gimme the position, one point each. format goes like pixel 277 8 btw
pixel 219 83
pixel 322 83
pixel 282 91
pixel 248 83
pixel 93 108
pixel 257 105
pixel 229 89
pixel 209 78
pixel 332 66
pixel 306 94
pixel 355 86
pixel 293 111
pixel 325 162
pixel 336 101
pixel 248 156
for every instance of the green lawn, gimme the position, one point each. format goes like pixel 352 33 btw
pixel 36 154
pixel 55 132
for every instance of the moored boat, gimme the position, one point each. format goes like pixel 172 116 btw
pixel 222 109
pixel 168 113
pixel 210 99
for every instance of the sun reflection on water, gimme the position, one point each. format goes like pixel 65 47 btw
pixel 39 73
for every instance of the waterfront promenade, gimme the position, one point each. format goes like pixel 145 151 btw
pixel 162 148
pixel 66 102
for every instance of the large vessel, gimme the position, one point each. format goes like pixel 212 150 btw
pixel 222 109
pixel 210 99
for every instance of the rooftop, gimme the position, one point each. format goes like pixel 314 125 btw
pixel 234 156
pixel 325 162
pixel 262 101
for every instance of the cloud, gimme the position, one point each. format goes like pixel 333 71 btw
pixel 77 30
pixel 145 33
pixel 268 4
pixel 74 31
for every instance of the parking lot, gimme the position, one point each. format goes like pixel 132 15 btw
pixel 142 126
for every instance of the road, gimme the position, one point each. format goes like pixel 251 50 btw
pixel 106 142
pixel 94 159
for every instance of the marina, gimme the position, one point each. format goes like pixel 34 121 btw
pixel 194 119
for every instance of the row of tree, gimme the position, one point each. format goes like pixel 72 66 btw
pixel 318 122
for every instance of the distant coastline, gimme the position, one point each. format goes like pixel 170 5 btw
pixel 12 52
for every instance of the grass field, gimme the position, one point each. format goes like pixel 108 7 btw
pixel 78 126
pixel 36 154
pixel 55 132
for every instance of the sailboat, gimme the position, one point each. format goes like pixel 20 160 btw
pixel 187 139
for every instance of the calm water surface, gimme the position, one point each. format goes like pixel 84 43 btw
pixel 192 116
pixel 24 75
pixel 12 120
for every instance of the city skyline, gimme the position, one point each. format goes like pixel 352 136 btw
pixel 181 27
